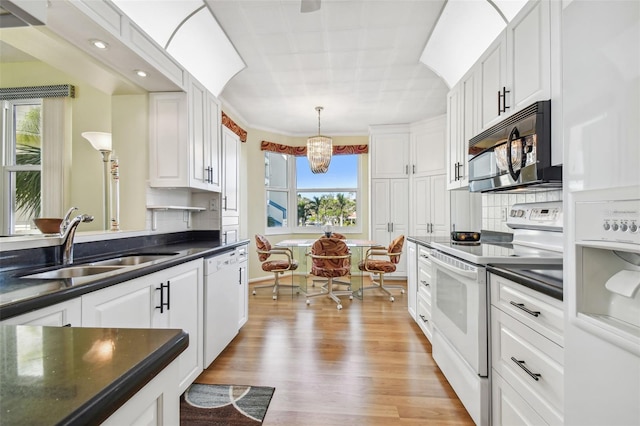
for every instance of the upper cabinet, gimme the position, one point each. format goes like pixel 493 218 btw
pixel 389 151
pixel 184 139
pixel 427 147
pixel 514 72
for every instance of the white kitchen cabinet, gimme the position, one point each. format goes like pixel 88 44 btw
pixel 424 291
pixel 171 298
pixel 515 71
pixel 389 151
pixel 412 277
pixel 183 309
pixel 184 139
pixel 430 206
pixel 527 354
pixel 156 404
pixel 428 147
pixel 67 313
pixel 243 285
pixel 390 214
pixel 461 125
pixel 230 186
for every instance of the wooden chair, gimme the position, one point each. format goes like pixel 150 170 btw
pixel 277 266
pixel 330 258
pixel 374 264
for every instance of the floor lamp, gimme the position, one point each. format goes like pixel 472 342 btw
pixel 101 142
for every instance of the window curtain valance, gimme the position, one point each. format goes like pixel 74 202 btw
pixel 233 126
pixel 300 151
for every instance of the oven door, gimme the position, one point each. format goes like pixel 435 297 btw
pixel 460 308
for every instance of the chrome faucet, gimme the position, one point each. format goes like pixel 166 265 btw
pixel 68 235
pixel 65 221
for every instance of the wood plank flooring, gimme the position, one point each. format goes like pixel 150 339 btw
pixel 368 364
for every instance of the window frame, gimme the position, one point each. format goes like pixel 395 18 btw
pixel 292 202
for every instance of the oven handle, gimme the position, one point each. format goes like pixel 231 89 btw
pixel 469 274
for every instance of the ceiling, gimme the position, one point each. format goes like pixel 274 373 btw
pixel 359 59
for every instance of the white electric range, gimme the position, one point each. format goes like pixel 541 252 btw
pixel 461 296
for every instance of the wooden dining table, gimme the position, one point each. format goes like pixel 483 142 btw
pixel 301 246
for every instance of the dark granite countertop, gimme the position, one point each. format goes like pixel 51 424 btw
pixel 20 295
pixel 65 375
pixel 546 279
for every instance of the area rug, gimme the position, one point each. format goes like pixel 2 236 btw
pixel 224 405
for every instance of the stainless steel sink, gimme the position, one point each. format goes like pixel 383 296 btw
pixel 132 260
pixel 73 272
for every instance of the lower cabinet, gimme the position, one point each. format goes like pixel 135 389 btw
pixel 171 298
pixel 243 285
pixel 412 272
pixel 64 314
pixel 527 356
pixel 420 282
pixel 158 403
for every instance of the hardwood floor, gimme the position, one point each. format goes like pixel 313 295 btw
pixel 368 364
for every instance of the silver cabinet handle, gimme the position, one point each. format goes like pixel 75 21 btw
pixel 534 376
pixel 424 283
pixel 524 308
pixel 423 318
pixel 414 169
pixel 406 169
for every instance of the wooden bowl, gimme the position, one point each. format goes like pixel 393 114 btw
pixel 48 225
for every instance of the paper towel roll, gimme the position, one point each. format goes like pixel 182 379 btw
pixel 624 283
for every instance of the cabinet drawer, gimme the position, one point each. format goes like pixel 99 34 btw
pixel 424 283
pixel 423 317
pixel 423 255
pixel 508 407
pixel 542 313
pixel 532 364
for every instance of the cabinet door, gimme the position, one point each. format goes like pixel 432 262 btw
pixel 168 140
pixel 428 142
pixel 199 172
pixel 529 55
pixel 380 210
pixel 491 67
pixel 412 278
pixel 398 199
pixel 421 205
pixel 508 407
pixel 439 205
pixel 212 145
pixel 68 313
pixel 468 127
pixel 125 305
pixel 390 155
pixel 454 117
pixel 231 173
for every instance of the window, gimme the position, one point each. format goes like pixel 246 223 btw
pixel 315 198
pixel 21 165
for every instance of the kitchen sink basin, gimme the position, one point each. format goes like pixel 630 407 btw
pixel 73 272
pixel 133 259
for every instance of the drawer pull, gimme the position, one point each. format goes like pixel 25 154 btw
pixel 534 376
pixel 521 306
pixel 424 283
pixel 423 318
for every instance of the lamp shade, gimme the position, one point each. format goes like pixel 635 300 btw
pixel 100 141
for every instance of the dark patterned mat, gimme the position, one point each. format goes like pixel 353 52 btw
pixel 224 405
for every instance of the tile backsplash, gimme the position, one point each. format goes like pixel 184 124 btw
pixel 178 220
pixel 496 205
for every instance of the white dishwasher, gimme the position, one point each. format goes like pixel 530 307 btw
pixel 220 304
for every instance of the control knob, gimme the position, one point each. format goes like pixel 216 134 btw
pixel 623 227
pixel 614 227
pixel 606 226
pixel 633 227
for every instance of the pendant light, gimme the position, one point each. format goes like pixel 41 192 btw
pixel 319 150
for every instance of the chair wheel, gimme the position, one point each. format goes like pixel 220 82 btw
pixel 339 307
pixel 391 298
pixel 275 297
pixel 254 292
pixel 351 297
pixel 402 291
pixel 308 302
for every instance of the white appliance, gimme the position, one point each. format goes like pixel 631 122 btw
pixel 221 301
pixel 461 297
pixel 600 110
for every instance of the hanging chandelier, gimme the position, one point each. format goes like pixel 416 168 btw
pixel 319 150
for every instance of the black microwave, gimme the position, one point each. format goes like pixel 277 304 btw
pixel 514 153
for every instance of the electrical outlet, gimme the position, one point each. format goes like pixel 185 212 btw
pixel 504 214
pixel 212 204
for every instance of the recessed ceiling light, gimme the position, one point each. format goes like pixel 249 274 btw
pixel 100 44
pixel 141 73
